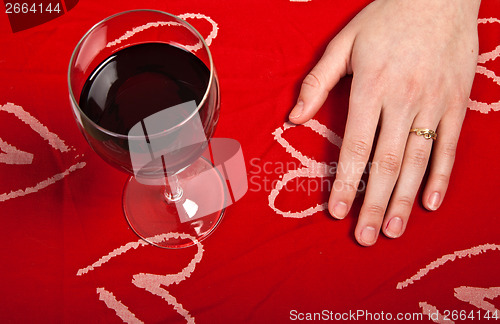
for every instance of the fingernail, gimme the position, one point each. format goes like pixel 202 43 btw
pixel 394 227
pixel 368 235
pixel 297 110
pixel 340 210
pixel 434 201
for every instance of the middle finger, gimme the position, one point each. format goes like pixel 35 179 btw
pixel 384 172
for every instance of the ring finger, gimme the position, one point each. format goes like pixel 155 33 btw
pixel 416 158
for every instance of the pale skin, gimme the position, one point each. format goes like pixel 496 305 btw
pixel 413 63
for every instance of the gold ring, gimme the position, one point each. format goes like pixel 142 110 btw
pixel 425 132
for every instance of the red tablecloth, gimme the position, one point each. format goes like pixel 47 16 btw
pixel 68 254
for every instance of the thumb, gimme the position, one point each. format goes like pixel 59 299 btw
pixel 333 65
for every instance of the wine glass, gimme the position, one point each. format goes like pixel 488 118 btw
pixel 145 95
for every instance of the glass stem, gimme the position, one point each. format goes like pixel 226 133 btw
pixel 173 191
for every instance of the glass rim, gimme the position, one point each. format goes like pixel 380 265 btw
pixel 126 136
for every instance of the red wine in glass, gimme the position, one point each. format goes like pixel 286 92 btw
pixel 152 95
pixel 139 81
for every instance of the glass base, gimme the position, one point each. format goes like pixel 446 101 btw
pixel 197 213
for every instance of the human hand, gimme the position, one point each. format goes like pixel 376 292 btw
pixel 413 63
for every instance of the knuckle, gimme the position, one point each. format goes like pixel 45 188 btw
pixel 358 148
pixel 413 88
pixel 419 158
pixel 375 82
pixel 449 150
pixel 390 164
pixel 312 80
pixel 378 71
pixel 457 104
pixel 373 209
pixel 459 98
pixel 405 201
pixel 441 178
pixel 345 185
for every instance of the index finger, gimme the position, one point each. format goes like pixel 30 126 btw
pixel 333 65
pixel 362 120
